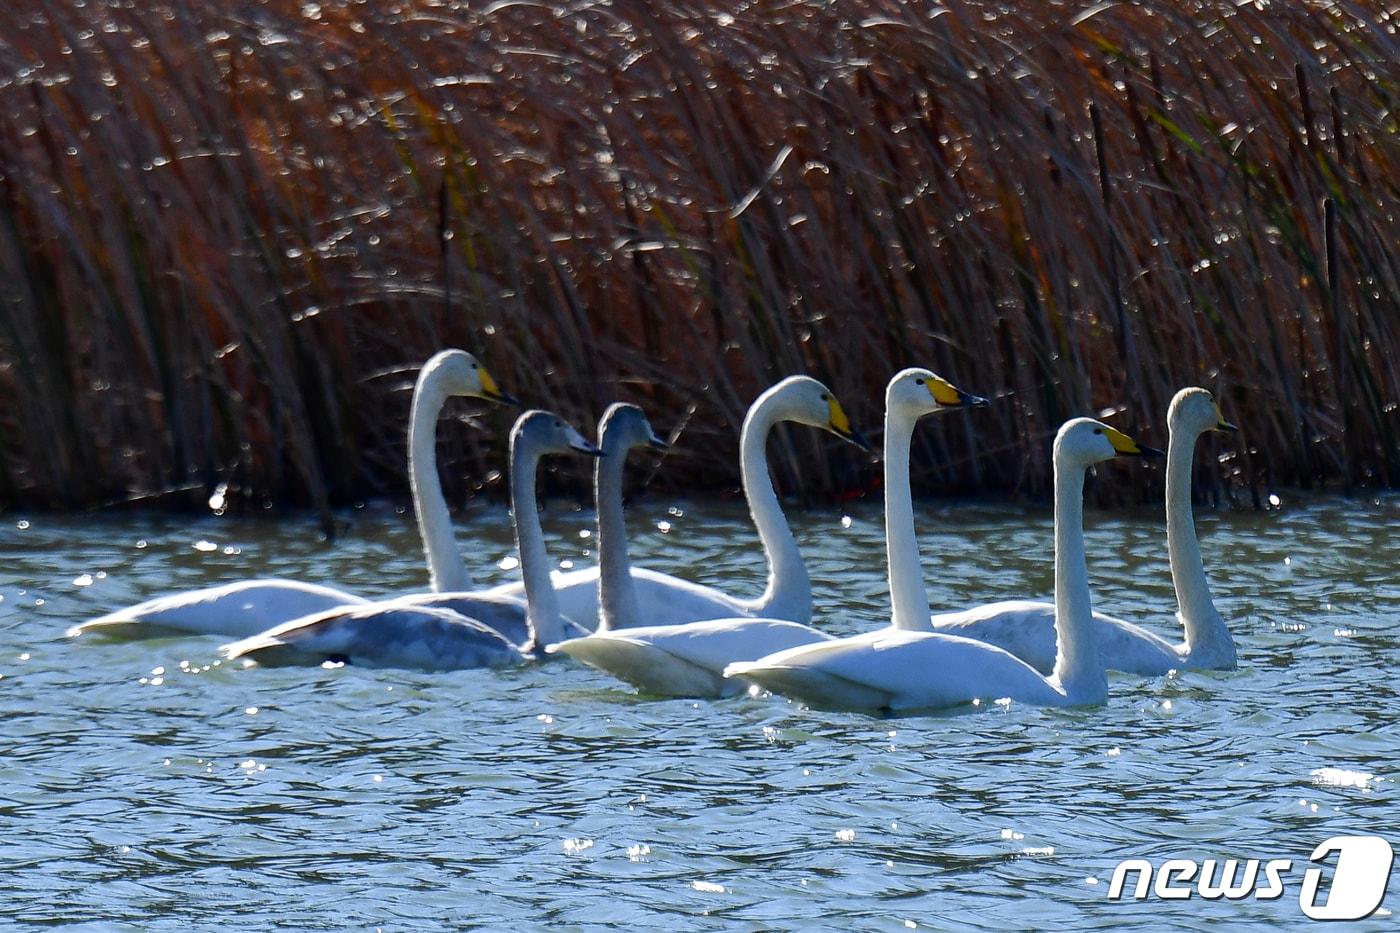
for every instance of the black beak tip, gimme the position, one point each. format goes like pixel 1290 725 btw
pixel 658 444
pixel 855 437
pixel 1227 427
pixel 1150 452
pixel 975 401
pixel 505 398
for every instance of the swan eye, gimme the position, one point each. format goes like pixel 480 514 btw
pixel 918 382
pixel 476 366
pixel 1098 430
pixel 825 397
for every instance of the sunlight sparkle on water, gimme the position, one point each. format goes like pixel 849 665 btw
pixel 1342 777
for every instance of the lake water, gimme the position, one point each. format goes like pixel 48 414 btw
pixel 140 790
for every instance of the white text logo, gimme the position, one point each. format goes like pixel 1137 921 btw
pixel 1354 890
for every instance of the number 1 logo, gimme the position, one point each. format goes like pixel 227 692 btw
pixel 1358 883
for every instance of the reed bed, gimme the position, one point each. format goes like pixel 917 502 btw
pixel 230 229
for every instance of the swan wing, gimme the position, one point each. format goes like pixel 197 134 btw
pixel 687 660
pixel 899 671
pixel 1132 649
pixel 508 615
pixel 238 609
pixel 662 599
pixel 390 634
pixel 1026 628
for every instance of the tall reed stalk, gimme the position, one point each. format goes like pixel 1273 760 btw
pixel 229 229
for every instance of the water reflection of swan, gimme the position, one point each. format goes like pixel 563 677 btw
pixel 249 606
pixel 689 659
pixel 667 600
pixel 904 670
pixel 450 635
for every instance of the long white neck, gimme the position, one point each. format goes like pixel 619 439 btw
pixel 617 597
pixel 546 627
pixel 1208 641
pixel 908 597
pixel 1078 669
pixel 446 571
pixel 789 591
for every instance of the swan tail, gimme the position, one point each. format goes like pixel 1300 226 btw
pixel 812 686
pixel 239 609
pixel 650 669
pixel 259 648
pixel 128 624
pixel 115 624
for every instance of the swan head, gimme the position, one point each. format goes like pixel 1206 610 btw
pixel 917 392
pixel 1194 411
pixel 547 433
pixel 1083 442
pixel 806 401
pixel 625 426
pixel 460 373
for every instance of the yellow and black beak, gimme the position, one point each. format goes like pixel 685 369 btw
pixel 840 425
pixel 657 442
pixel 492 391
pixel 1125 446
pixel 948 395
pixel 1222 424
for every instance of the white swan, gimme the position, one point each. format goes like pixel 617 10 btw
pixel 1027 629
pixel 398 633
pixel 668 600
pixel 250 606
pixel 621 428
pixel 900 670
pixel 690 659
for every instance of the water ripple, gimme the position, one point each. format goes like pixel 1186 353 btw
pixel 147 787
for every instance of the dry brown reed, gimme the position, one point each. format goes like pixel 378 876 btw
pixel 229 229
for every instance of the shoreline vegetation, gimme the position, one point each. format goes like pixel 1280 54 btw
pixel 230 231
